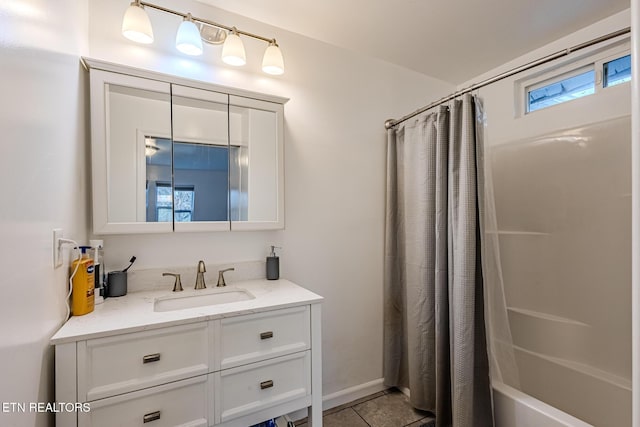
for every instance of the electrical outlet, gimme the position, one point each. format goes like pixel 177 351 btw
pixel 57 248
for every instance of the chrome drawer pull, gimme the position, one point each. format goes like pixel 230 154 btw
pixel 149 358
pixel 266 335
pixel 151 416
pixel 266 384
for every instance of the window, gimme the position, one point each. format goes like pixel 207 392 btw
pixel 183 197
pixel 563 90
pixel 585 77
pixel 163 202
pixel 184 200
pixel 617 71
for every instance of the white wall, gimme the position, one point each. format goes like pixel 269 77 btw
pixel 43 112
pixel 334 172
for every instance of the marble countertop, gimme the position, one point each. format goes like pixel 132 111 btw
pixel 134 312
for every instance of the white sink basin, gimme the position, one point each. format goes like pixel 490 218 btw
pixel 215 297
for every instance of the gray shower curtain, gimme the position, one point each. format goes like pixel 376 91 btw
pixel 435 340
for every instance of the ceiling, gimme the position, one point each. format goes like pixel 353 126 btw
pixel 452 40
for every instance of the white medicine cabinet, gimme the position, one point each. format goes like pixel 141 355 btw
pixel 171 154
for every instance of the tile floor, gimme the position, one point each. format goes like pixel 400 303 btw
pixel 388 408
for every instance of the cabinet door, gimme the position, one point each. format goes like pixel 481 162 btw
pixel 131 124
pixel 200 159
pixel 256 164
pixel 182 403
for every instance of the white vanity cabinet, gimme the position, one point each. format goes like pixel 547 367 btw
pixel 228 371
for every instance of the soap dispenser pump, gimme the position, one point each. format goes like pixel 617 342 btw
pixel 273 264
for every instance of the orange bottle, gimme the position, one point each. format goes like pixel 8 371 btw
pixel 82 295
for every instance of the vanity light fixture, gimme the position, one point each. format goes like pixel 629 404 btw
pixel 136 26
pixel 272 62
pixel 233 49
pixel 150 147
pixel 188 37
pixel 211 35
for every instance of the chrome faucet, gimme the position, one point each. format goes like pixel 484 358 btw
pixel 177 285
pixel 221 281
pixel 200 276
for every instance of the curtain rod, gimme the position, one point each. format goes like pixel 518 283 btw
pixel 391 122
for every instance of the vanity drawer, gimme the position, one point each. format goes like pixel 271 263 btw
pixel 255 337
pixel 251 388
pixel 181 403
pixel 128 362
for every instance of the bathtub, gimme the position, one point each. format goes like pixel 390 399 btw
pixel 512 408
pixel 564 226
pixel 557 388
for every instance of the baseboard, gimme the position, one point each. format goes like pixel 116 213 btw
pixel 352 393
pixel 405 391
pixel 344 396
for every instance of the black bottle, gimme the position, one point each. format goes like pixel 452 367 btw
pixel 273 265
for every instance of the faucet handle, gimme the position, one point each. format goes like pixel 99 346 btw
pixel 177 285
pixel 221 281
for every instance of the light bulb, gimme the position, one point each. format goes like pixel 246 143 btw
pixel 272 62
pixel 188 37
pixel 233 50
pixel 136 25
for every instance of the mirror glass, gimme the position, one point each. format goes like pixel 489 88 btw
pixel 198 169
pixel 179 155
pixel 158 179
pixel 138 130
pixel 200 156
pixel 253 163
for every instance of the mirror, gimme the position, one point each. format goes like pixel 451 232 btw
pixel 156 173
pixel 254 171
pixel 199 169
pixel 131 110
pixel 200 158
pixel 180 158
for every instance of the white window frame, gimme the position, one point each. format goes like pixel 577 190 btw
pixel 593 59
pixel 558 78
pixel 609 59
